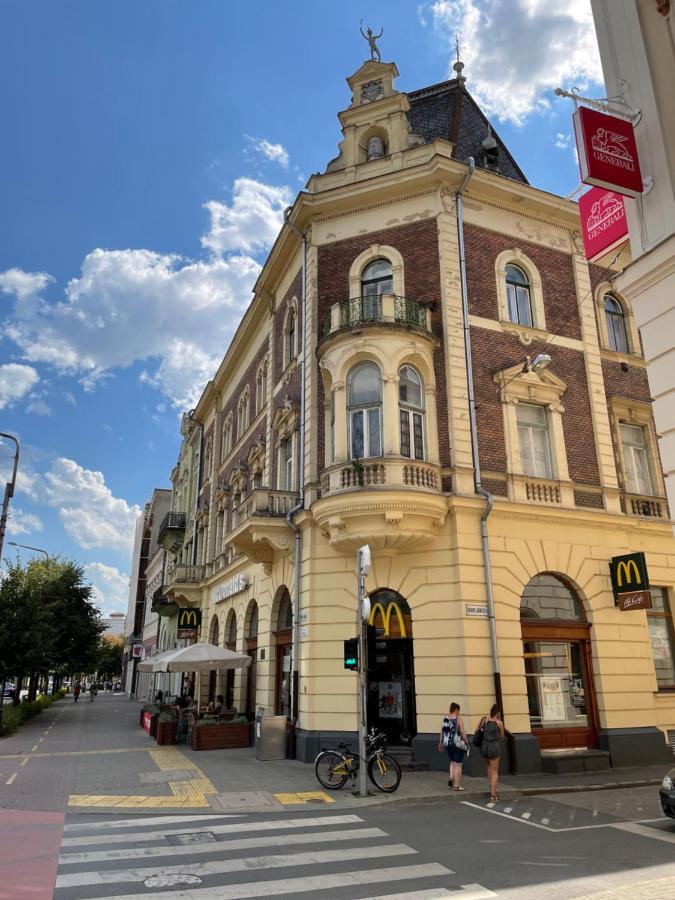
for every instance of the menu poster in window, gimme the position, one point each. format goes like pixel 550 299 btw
pixel 390 705
pixel 552 699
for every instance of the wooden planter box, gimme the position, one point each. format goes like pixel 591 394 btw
pixel 220 737
pixel 166 732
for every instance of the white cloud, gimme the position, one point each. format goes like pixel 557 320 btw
pixel 21 522
pixel 176 315
pixel 274 152
pixel 15 382
pixel 562 141
pixel 23 284
pixel 251 222
pixel 111 587
pixel 90 513
pixel 515 51
pixel 38 406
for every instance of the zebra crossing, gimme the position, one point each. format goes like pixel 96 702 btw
pixel 229 857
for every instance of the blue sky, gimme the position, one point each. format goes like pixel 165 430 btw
pixel 149 149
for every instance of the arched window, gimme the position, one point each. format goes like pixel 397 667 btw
pixel 290 351
pixel 261 387
pixel 285 614
pixel 411 412
pixel 518 296
pixel 252 628
pixel 548 597
pixel 376 279
pixel 616 325
pixel 364 402
pixel 242 414
pixel 226 439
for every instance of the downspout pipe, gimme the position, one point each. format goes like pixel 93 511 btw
pixel 478 486
pixel 295 657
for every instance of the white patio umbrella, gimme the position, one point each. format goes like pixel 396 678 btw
pixel 151 664
pixel 202 657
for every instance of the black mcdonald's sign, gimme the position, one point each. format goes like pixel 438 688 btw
pixel 630 581
pixel 189 622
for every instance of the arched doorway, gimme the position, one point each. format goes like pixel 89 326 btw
pixel 391 694
pixel 283 642
pixel 558 664
pixel 251 647
pixel 230 644
pixel 214 634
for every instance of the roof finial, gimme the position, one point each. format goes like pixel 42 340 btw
pixel 458 65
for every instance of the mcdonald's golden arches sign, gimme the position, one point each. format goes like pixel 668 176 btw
pixel 189 622
pixel 630 581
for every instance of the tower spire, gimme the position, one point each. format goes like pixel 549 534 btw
pixel 458 66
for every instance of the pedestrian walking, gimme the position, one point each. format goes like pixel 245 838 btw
pixel 453 740
pixel 92 691
pixel 490 732
pixel 77 687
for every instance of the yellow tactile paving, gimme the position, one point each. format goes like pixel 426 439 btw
pixel 190 794
pixel 304 797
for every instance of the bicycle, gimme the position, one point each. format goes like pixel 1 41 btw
pixel 334 767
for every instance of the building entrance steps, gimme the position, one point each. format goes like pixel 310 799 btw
pixel 574 759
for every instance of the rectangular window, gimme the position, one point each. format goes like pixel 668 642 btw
pixel 520 309
pixel 635 461
pixel 286 479
pixel 365 433
pixel 412 434
pixel 660 622
pixel 535 452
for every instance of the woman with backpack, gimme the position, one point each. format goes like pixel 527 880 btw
pixel 453 740
pixel 488 735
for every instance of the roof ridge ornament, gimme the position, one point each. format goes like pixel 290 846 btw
pixel 372 41
pixel 458 65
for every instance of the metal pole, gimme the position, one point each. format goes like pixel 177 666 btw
pixel 27 547
pixel 363 674
pixel 9 489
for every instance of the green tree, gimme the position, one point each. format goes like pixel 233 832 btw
pixel 109 657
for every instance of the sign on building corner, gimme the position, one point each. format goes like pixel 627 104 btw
pixel 630 581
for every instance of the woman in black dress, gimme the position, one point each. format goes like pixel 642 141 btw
pixel 493 731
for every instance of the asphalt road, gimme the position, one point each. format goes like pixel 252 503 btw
pixel 572 846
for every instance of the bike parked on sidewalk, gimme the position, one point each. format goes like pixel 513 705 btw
pixel 334 767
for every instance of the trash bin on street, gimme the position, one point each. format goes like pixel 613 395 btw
pixel 270 736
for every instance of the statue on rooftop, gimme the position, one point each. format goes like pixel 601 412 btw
pixel 372 39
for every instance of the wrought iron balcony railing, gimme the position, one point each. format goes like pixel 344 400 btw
pixel 385 309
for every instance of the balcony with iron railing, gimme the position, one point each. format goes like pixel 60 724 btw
pixel 385 310
pixel 172 530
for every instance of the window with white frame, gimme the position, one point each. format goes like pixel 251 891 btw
pixel 660 623
pixel 535 449
pixel 411 413
pixel 615 319
pixel 635 459
pixel 364 408
pixel 286 465
pixel 290 350
pixel 518 296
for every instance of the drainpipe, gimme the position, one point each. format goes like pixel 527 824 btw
pixel 478 487
pixel 301 473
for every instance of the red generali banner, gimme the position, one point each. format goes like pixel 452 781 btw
pixel 603 222
pixel 607 152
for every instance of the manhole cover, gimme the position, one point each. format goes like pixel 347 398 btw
pixel 191 837
pixel 247 800
pixel 170 880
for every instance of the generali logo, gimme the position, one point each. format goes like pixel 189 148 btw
pixel 610 147
pixel 605 213
pixel 608 156
pixel 603 221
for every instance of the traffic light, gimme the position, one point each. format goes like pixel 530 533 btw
pixel 352 654
pixel 375 645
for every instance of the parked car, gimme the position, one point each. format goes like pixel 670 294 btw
pixel 667 794
pixel 9 691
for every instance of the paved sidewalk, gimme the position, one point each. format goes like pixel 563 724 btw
pixel 95 758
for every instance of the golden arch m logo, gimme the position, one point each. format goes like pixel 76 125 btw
pixel 393 609
pixel 627 573
pixel 189 619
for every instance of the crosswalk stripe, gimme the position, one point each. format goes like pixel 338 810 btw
pixel 295 885
pixel 219 867
pixel 429 894
pixel 114 824
pixel 133 837
pixel 273 840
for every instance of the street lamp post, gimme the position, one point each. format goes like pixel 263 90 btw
pixel 28 547
pixel 9 489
